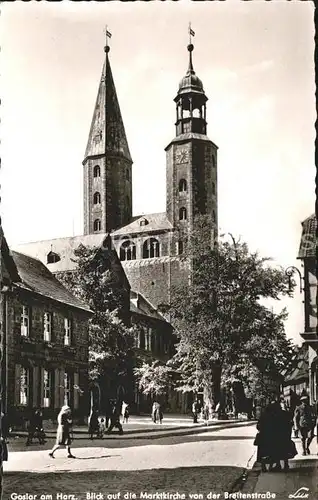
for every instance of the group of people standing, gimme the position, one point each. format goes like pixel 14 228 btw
pixel 274 437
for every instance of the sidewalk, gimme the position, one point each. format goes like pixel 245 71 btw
pixel 301 481
pixel 143 427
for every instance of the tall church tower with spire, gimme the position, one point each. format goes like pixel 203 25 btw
pixel 107 163
pixel 191 185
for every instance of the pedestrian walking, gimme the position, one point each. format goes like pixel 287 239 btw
pixel 305 418
pixel 156 413
pixel 63 433
pixel 195 410
pixel 126 414
pixel 93 427
pixel 206 414
pixel 115 418
pixel 123 410
pixel 273 440
pixel 36 428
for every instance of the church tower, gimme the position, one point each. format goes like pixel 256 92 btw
pixel 107 163
pixel 191 160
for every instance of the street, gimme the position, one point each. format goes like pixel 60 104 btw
pixel 203 463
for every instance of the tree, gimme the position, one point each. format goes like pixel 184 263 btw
pixel 154 379
pixel 111 340
pixel 219 316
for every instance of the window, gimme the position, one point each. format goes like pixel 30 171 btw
pixel 96 198
pixel 151 248
pixel 96 171
pixel 143 222
pixel 25 321
pixel 180 247
pixel 213 188
pixel 182 185
pixel 213 216
pixel 52 257
pixel 182 214
pixel 67 388
pixel 127 175
pixel 47 327
pixel 213 161
pixel 24 386
pixel 47 388
pixel 127 250
pixel 97 225
pixel 67 331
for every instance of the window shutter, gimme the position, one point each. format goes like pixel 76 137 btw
pixel 35 386
pixel 17 384
pixel 57 388
pixel 42 387
pixel 76 391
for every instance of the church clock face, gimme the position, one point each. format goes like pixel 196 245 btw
pixel 182 156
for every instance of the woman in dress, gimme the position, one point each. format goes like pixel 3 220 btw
pixel 63 433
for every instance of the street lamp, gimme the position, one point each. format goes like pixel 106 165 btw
pixel 290 272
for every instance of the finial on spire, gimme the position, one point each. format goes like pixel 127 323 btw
pixel 190 48
pixel 107 35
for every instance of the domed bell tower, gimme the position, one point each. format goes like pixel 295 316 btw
pixel 191 173
pixel 191 102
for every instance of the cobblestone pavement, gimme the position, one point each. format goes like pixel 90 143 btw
pixel 204 463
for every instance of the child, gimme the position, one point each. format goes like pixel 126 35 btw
pixel 126 415
pixel 102 427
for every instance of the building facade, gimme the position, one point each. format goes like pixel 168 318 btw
pixel 45 362
pixel 308 255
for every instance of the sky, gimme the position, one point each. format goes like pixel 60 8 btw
pixel 256 63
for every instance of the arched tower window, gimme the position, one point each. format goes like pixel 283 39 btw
pixel 213 188
pixel 213 216
pixel 97 225
pixel 182 185
pixel 151 248
pixel 96 171
pixel 183 213
pixel 127 174
pixel 213 161
pixel 96 198
pixel 127 250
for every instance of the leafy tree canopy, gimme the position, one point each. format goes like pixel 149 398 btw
pixel 110 339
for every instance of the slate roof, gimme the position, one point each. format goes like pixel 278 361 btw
pixel 107 132
pixel 64 247
pixel 308 242
pixel 140 305
pixel 188 136
pixel 37 278
pixel 154 222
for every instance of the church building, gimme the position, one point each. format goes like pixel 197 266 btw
pixel 149 246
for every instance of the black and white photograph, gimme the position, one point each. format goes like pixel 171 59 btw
pixel 158 303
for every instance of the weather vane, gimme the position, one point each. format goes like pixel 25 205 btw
pixel 107 35
pixel 191 33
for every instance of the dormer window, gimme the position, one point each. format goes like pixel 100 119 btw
pixel 143 222
pixel 52 257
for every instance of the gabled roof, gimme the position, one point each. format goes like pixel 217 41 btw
pixel 107 133
pixel 63 247
pixel 145 224
pixel 9 270
pixel 140 305
pixel 37 278
pixel 308 242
